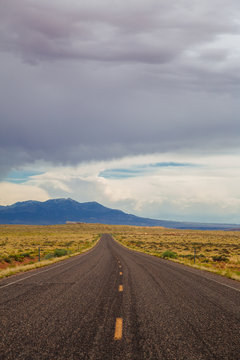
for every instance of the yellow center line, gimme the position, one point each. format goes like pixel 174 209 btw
pixel 120 273
pixel 118 329
pixel 120 288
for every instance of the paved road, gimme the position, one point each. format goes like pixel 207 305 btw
pixel 113 303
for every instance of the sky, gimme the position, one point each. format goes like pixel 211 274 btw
pixel 134 104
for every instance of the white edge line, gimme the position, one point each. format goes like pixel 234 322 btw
pixel 50 268
pixel 218 282
pixel 187 270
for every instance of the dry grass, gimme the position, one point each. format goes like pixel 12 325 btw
pixel 19 245
pixel 217 251
pixel 15 269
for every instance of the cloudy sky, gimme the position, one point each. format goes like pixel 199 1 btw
pixel 134 104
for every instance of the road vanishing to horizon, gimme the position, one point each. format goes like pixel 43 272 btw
pixel 115 303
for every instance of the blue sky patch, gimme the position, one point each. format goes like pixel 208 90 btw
pixel 20 177
pixel 169 164
pixel 139 170
pixel 120 173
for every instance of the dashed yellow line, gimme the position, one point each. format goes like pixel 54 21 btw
pixel 120 273
pixel 120 288
pixel 118 329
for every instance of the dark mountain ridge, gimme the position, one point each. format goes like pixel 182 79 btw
pixel 59 211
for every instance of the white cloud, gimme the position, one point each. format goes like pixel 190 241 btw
pixel 170 186
pixel 11 193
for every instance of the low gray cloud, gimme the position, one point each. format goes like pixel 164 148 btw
pixel 92 80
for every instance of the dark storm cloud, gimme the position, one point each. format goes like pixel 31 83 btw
pixel 154 32
pixel 39 32
pixel 93 80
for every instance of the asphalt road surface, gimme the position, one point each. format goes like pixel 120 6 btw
pixel 113 303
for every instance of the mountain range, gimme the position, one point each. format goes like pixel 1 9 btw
pixel 60 211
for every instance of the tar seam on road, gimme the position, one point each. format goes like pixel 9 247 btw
pixel 50 268
pixel 118 329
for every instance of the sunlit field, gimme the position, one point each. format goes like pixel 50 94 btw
pixel 216 251
pixel 21 245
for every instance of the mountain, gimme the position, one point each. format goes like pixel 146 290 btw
pixel 59 211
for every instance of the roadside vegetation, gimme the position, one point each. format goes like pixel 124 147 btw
pixel 21 245
pixel 216 251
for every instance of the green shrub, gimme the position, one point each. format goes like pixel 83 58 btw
pixel 60 252
pixel 187 256
pixel 7 259
pixel 16 257
pixel 56 253
pixel 49 256
pixel 222 258
pixel 25 254
pixel 169 254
